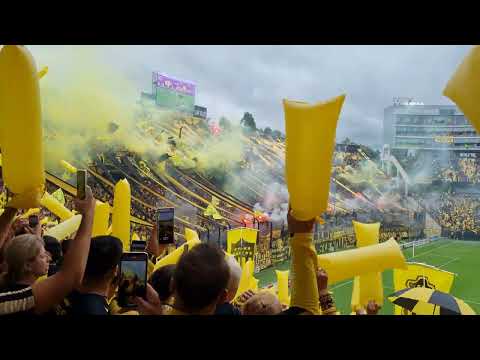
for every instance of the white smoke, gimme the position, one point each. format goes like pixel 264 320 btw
pixel 274 204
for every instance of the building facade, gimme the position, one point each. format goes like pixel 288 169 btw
pixel 428 127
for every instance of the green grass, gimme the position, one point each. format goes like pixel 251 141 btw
pixel 459 257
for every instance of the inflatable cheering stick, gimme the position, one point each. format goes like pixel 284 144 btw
pixel 55 207
pixel 282 286
pixel 174 256
pixel 69 167
pixel 66 228
pixel 101 218
pixel 245 283
pixel 121 213
pixel 21 126
pixel 463 88
pixel 368 286
pixel 347 264
pixel 310 138
pixel 191 235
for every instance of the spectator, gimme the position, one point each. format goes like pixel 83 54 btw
pixel 26 261
pixel 228 308
pixel 161 280
pixel 91 297
pixel 200 283
pixel 372 309
pixel 266 303
pixel 262 303
pixel 25 257
pixel 54 249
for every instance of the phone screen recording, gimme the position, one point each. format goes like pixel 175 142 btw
pixel 133 278
pixel 165 223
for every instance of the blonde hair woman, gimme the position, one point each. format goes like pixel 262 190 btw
pixel 26 258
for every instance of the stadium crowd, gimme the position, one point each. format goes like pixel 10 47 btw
pixel 457 214
pixel 39 276
pixel 464 170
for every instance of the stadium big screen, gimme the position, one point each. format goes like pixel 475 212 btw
pixel 173 94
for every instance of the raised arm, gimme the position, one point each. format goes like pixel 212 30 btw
pixel 327 304
pixel 54 289
pixel 153 246
pixel 304 266
pixel 6 221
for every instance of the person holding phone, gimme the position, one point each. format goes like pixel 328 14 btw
pixel 91 297
pixel 26 258
pixel 200 283
pixel 133 278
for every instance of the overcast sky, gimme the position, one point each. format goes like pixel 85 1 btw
pixel 234 79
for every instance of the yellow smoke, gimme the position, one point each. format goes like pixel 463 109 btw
pixel 81 95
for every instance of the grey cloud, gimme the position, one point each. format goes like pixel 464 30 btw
pixel 235 79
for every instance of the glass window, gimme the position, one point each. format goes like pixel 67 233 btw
pixel 447 111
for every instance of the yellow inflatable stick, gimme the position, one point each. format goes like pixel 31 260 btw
pixel 191 235
pixel 310 133
pixel 282 286
pixel 463 88
pixel 109 231
pixel 69 167
pixel 355 303
pixel 121 213
pixel 366 234
pixel 369 286
pixel 65 229
pixel 21 129
pixel 245 279
pixel 343 265
pixel 55 207
pixel 43 72
pixel 254 283
pixel 29 212
pixel 45 220
pixel 365 288
pixel 101 218
pixel 174 256
pixel 135 236
pixel 25 200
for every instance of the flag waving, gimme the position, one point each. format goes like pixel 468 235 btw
pixel 58 194
pixel 421 275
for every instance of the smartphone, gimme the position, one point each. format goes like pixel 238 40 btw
pixel 138 245
pixel 81 183
pixel 33 221
pixel 133 278
pixel 165 218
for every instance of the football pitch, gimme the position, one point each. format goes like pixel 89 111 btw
pixel 459 257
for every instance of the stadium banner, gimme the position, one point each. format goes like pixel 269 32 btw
pixel 280 251
pixel 263 254
pixel 421 275
pixel 241 243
